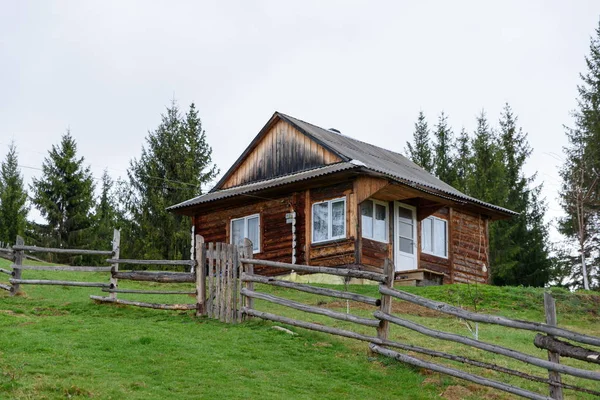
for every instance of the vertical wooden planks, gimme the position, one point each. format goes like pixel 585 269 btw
pixel 211 279
pixel 200 271
pixel 386 300
pixel 18 262
pixel 217 301
pixel 249 269
pixel 222 281
pixel 228 282
pixel 116 248
pixel 550 310
pixel 236 289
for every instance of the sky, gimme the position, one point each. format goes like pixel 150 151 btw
pixel 106 70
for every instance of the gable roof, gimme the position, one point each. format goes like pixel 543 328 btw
pixel 354 154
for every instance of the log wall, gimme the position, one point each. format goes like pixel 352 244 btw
pixel 470 244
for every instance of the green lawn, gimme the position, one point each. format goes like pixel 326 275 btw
pixel 56 343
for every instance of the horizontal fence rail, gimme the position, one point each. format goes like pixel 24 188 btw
pixel 58 283
pixel 62 268
pixel 36 249
pixel 150 262
pixel 5 271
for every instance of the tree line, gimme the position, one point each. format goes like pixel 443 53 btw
pixel 174 165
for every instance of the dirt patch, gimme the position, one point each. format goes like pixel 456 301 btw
pixel 12 313
pixel 456 392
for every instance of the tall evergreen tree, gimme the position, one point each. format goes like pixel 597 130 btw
pixel 463 162
pixel 13 198
pixel 420 151
pixel 174 165
pixel 64 194
pixel 106 214
pixel 443 165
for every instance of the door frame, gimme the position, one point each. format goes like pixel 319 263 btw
pixel 396 242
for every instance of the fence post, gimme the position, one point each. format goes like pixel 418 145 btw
pixel 550 311
pixel 200 271
pixel 249 269
pixel 18 261
pixel 116 248
pixel 386 300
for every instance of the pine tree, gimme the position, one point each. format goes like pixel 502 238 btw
pixel 443 166
pixel 174 165
pixel 106 214
pixel 13 198
pixel 64 194
pixel 463 162
pixel 420 152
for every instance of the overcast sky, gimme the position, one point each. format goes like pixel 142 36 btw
pixel 107 70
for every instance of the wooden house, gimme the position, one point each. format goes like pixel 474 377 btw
pixel 307 195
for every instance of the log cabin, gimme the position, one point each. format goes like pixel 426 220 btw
pixel 307 195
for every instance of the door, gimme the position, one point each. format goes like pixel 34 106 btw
pixel 405 237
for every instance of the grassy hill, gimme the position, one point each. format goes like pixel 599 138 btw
pixel 56 343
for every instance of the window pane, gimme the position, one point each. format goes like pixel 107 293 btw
pixel 405 230
pixel 405 215
pixel 439 238
pixel 406 245
pixel 253 233
pixel 237 231
pixel 320 218
pixel 338 219
pixel 426 234
pixel 380 227
pixel 366 212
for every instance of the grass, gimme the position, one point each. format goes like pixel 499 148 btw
pixel 55 343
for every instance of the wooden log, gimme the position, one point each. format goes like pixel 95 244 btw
pixel 200 272
pixel 490 319
pixel 311 289
pixel 550 311
pixel 158 306
pixel 16 269
pixel 116 245
pixel 58 283
pixel 114 290
pixel 489 347
pixel 309 325
pixel 7 272
pixel 180 277
pixel 211 279
pixel 481 364
pixel 383 328
pixel 248 269
pixel 151 262
pixel 8 251
pixel 36 249
pixel 235 285
pixel 311 309
pixel 323 270
pixel 64 268
pixel 565 349
pixel 456 373
pixel 6 287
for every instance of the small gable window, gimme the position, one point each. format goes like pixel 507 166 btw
pixel 329 220
pixel 374 220
pixel 246 227
pixel 434 236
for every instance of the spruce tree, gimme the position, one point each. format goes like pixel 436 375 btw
pixel 175 163
pixel 106 214
pixel 13 198
pixel 420 151
pixel 443 166
pixel 64 194
pixel 463 161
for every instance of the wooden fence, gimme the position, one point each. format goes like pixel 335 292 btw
pixel 383 317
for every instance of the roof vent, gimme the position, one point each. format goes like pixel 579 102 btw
pixel 335 130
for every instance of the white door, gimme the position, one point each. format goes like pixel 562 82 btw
pixel 405 237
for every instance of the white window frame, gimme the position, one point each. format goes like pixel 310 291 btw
pixel 387 221
pixel 446 222
pixel 246 218
pixel 329 220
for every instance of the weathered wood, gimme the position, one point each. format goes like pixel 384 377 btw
pixel 151 262
pixel 116 248
pixel 490 319
pixel 218 281
pixel 489 347
pixel 383 328
pixel 456 373
pixel 309 325
pixel 6 287
pixel 481 364
pixel 64 268
pixel 235 285
pixel 311 309
pixel 3 250
pixel 550 311
pixel 158 306
pixel 113 290
pixel 311 289
pixel 200 273
pixel 7 272
pixel 180 277
pixel 36 249
pixel 211 278
pixel 16 269
pixel 249 269
pixel 58 283
pixel 324 270
pixel 565 349
pixel 229 283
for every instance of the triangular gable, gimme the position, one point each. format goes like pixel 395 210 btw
pixel 279 149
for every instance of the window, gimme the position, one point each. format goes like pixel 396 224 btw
pixel 329 220
pixel 434 236
pixel 374 220
pixel 246 227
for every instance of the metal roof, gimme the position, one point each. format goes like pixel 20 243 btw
pixel 355 155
